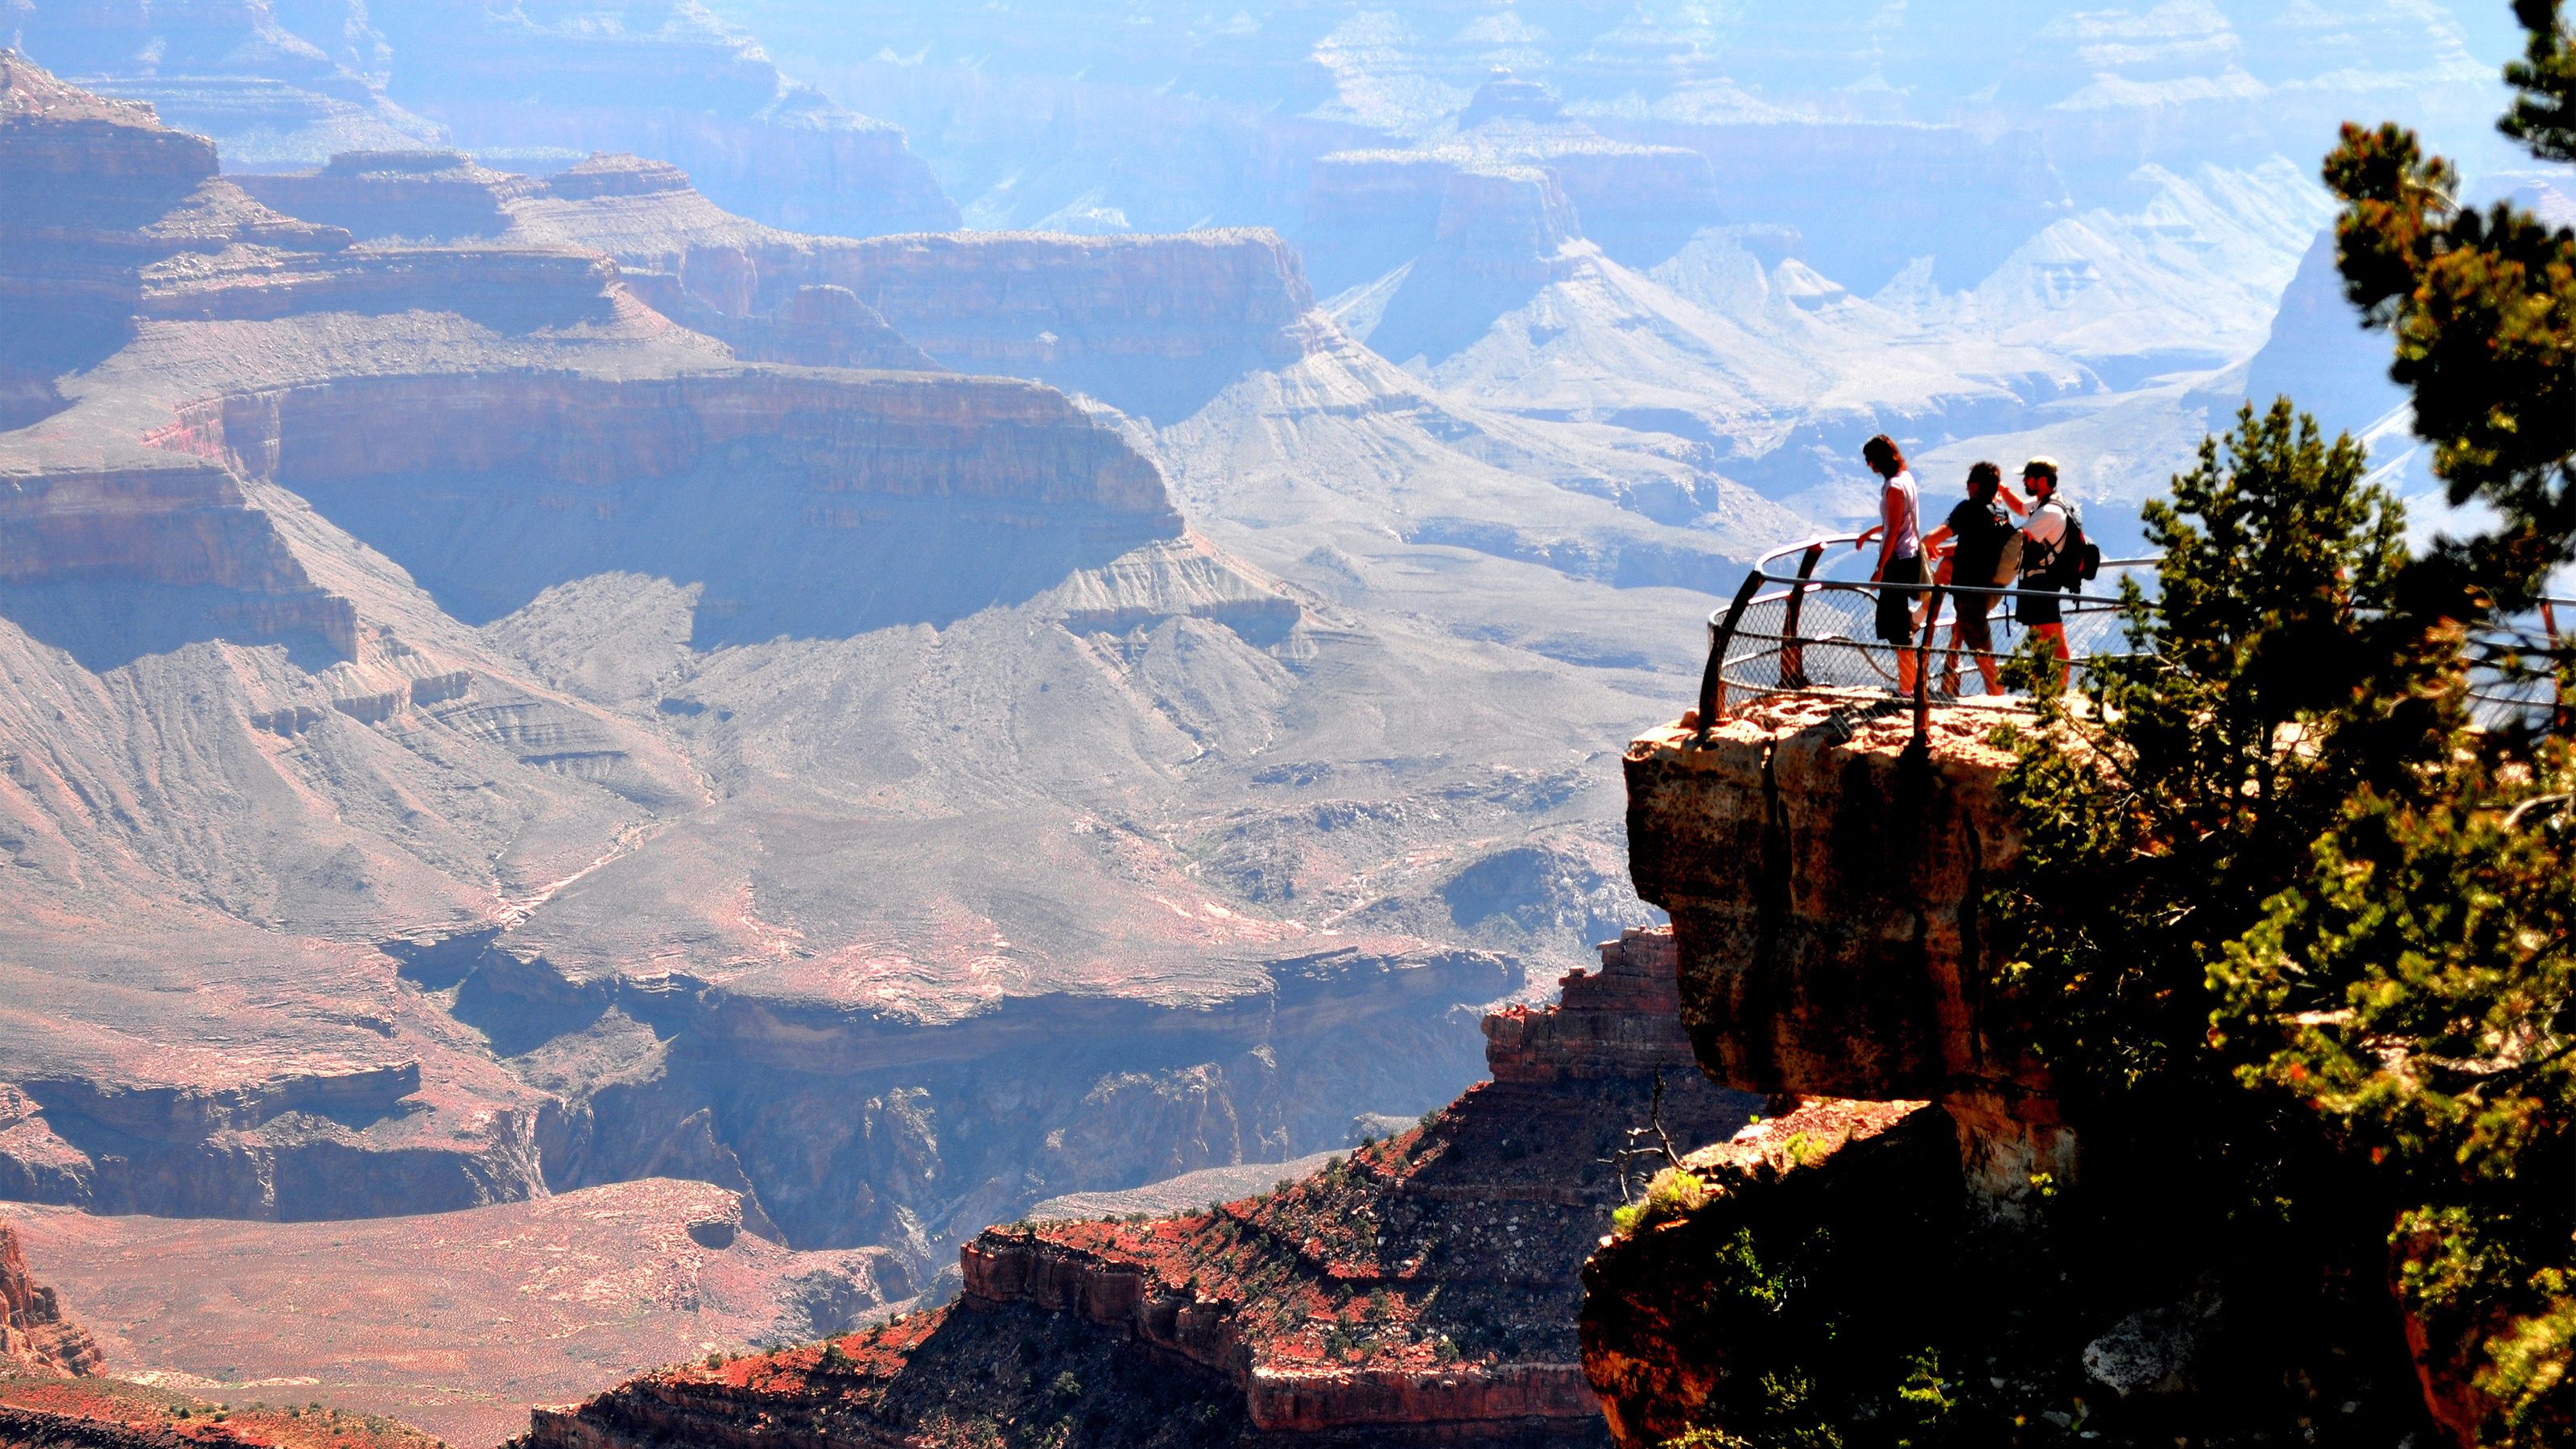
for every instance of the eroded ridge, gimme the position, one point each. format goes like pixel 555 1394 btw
pixel 1424 1288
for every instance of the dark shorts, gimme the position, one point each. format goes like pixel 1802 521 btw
pixel 1974 631
pixel 2038 608
pixel 1900 586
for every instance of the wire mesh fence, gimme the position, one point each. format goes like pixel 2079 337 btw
pixel 1795 628
pixel 2519 679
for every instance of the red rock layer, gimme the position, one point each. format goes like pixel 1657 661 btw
pixel 34 1339
pixel 103 1413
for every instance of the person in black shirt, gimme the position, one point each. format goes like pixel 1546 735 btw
pixel 1970 544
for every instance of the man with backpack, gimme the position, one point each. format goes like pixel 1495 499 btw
pixel 1979 550
pixel 2055 559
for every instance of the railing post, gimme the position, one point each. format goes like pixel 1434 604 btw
pixel 1712 680
pixel 1793 650
pixel 2563 718
pixel 1923 671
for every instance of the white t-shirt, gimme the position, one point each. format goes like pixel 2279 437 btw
pixel 1909 529
pixel 2046 529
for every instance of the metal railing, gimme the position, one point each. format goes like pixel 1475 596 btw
pixel 1796 628
pixel 1800 629
pixel 2515 680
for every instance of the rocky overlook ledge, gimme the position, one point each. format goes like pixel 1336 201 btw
pixel 1825 885
pixel 1916 1242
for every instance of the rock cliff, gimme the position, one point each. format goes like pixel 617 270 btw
pixel 1826 886
pixel 35 1340
pixel 1422 1289
pixel 1516 155
pixel 1932 1244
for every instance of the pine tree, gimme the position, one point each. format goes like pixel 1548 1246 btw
pixel 2285 877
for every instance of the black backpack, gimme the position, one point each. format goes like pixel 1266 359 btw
pixel 2079 558
pixel 2075 561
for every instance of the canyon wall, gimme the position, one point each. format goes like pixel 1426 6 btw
pixel 1154 325
pixel 286 85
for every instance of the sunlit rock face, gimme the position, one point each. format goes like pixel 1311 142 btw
pixel 1827 886
pixel 35 1340
pixel 1917 1200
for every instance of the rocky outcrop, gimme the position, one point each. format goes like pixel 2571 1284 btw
pixel 1827 886
pixel 35 1341
pixel 1690 1317
pixel 1422 1290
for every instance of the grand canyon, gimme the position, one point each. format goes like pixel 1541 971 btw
pixel 758 722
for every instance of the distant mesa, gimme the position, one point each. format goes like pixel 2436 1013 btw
pixel 616 174
pixel 1369 209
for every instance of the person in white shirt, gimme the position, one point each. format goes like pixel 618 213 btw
pixel 2043 573
pixel 1900 574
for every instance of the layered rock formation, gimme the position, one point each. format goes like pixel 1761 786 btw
pixel 439 667
pixel 1154 325
pixel 1368 209
pixel 1424 1289
pixel 35 1340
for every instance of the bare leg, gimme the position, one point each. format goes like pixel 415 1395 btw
pixel 1986 666
pixel 2055 634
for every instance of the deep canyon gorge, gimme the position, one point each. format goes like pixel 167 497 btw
pixel 667 669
